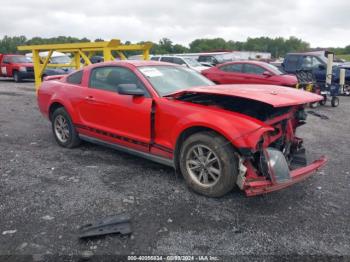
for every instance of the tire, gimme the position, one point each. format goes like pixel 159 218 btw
pixel 16 77
pixel 335 101
pixel 200 176
pixel 63 129
pixel 324 101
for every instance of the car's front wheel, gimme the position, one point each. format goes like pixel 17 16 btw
pixel 17 77
pixel 208 164
pixel 63 129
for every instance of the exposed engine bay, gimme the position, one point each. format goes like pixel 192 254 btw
pixel 253 108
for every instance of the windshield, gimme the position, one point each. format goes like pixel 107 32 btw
pixel 20 59
pixel 170 79
pixel 60 60
pixel 323 59
pixel 274 69
pixel 191 62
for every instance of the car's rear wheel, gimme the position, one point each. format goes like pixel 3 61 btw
pixel 63 129
pixel 208 164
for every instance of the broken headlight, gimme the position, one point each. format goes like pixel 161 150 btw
pixel 273 163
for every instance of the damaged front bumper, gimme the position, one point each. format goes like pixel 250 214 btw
pixel 279 175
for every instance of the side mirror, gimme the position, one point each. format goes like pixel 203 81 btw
pixel 267 74
pixel 322 67
pixel 130 89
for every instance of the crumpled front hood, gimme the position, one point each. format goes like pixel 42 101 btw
pixel 276 96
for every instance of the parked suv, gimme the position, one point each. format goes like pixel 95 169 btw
pixel 185 61
pixel 317 62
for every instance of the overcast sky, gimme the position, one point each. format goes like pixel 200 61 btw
pixel 319 22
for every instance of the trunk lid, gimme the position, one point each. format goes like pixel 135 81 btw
pixel 276 96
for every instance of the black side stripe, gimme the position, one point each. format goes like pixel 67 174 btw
pixel 165 149
pixel 123 138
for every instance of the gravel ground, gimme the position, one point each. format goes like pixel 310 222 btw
pixel 47 192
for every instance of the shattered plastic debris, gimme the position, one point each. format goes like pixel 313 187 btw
pixel 47 217
pixel 110 225
pixel 9 232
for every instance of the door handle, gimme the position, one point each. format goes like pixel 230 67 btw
pixel 90 98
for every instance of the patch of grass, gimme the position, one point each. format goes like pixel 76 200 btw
pixel 346 57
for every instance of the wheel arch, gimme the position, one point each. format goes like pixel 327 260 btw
pixel 187 132
pixel 53 107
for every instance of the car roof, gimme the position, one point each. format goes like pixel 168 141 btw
pixel 176 56
pixel 12 55
pixel 306 53
pixel 135 63
pixel 253 62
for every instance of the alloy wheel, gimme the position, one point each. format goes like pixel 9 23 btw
pixel 203 165
pixel 61 129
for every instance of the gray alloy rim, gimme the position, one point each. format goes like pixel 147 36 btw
pixel 61 129
pixel 203 165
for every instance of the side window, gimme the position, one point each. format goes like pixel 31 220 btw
pixel 236 68
pixel 315 62
pixel 204 59
pixel 6 60
pixel 253 69
pixel 307 62
pixel 179 61
pixel 109 78
pixel 75 78
pixel 167 59
pixel 291 63
pixel 155 58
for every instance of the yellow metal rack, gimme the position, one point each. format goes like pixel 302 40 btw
pixel 80 50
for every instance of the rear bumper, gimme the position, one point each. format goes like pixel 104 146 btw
pixel 258 187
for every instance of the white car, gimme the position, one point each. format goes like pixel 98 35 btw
pixel 56 57
pixel 184 61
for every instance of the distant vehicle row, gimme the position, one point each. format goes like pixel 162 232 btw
pixel 180 60
pixel 249 72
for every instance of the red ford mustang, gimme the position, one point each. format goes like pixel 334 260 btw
pixel 216 136
pixel 249 72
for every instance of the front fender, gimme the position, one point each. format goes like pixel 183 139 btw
pixel 242 131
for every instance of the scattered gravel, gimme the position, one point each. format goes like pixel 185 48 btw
pixel 48 192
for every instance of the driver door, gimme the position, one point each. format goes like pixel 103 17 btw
pixel 108 115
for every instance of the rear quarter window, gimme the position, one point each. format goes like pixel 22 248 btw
pixel 75 78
